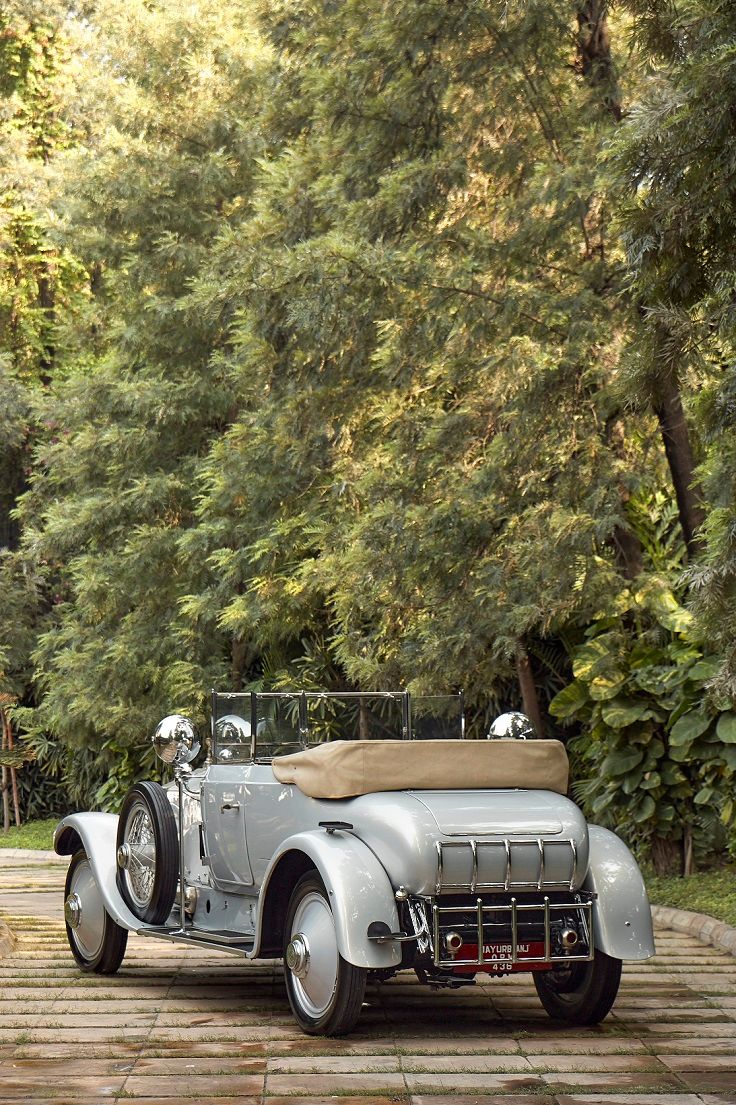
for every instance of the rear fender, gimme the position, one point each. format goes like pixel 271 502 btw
pixel 97 834
pixel 622 918
pixel 357 886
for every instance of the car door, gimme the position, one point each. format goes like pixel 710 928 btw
pixel 224 798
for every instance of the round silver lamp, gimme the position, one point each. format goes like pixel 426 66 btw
pixel 512 726
pixel 175 740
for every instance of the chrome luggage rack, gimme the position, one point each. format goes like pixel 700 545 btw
pixel 507 883
pixel 513 909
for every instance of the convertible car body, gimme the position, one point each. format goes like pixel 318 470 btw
pixel 355 836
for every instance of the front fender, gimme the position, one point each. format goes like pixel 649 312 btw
pixel 622 918
pixel 358 888
pixel 97 834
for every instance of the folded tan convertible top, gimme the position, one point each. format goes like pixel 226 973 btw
pixel 344 769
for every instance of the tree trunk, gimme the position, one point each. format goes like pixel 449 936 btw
pixel 47 303
pixel 9 744
pixel 627 545
pixel 6 801
pixel 628 552
pixel 594 53
pixel 5 782
pixel 529 697
pixel 596 66
pixel 666 856
pixel 95 279
pixel 239 662
pixel 669 412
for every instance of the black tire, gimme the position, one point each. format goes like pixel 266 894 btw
pixel 318 1011
pixel 148 881
pixel 97 942
pixel 583 993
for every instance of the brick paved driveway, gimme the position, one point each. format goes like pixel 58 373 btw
pixel 185 1024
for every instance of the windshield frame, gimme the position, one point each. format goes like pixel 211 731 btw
pixel 300 700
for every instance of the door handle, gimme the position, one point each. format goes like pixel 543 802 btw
pixel 229 806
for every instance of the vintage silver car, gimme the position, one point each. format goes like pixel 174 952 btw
pixel 354 836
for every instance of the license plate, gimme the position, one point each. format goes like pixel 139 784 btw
pixel 497 957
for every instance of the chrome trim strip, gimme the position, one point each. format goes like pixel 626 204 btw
pixel 474 874
pixel 574 875
pixel 546 927
pixel 507 880
pixel 253 724
pixel 438 885
pixel 540 881
pixel 479 914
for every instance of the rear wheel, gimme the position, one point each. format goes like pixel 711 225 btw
pixel 325 991
pixel 98 943
pixel 148 853
pixel 582 993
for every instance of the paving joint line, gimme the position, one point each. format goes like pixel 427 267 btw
pixel 146 1042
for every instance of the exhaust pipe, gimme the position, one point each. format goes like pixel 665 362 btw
pixel 569 938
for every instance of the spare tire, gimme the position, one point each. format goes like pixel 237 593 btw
pixel 148 853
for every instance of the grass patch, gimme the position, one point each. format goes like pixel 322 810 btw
pixel 712 892
pixel 34 834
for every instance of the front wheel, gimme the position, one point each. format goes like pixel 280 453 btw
pixel 98 943
pixel 325 991
pixel 582 993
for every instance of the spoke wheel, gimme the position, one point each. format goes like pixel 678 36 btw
pixel 325 991
pixel 97 942
pixel 147 853
pixel 582 993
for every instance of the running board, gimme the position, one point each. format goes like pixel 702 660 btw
pixel 220 936
pixel 223 941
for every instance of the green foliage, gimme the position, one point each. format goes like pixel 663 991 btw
pixel 711 892
pixel 38 280
pixel 62 778
pixel 656 752
pixel 673 171
pixel 337 373
pixel 421 458
pixel 166 164
pixel 36 834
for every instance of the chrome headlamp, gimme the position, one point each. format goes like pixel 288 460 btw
pixel 512 726
pixel 175 740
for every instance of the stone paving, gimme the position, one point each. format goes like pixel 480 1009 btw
pixel 183 1024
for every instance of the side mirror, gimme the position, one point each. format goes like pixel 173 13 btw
pixel 175 740
pixel 512 726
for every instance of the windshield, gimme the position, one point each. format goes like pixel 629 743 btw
pixel 259 725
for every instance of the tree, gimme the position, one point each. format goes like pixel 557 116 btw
pixel 38 282
pixel 350 398
pixel 675 160
pixel 164 161
pixel 434 468
pixel 427 270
